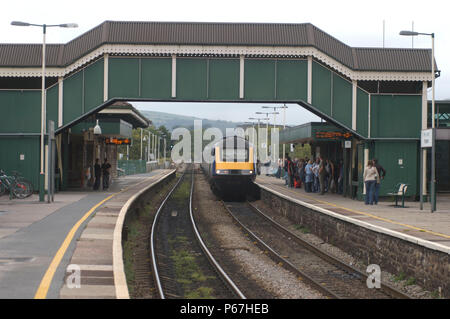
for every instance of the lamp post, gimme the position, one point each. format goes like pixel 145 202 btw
pixel 43 101
pixel 433 149
pixel 141 143
pixel 284 107
pixel 267 126
pixel 146 151
pixel 259 119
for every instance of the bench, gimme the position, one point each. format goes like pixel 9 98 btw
pixel 399 190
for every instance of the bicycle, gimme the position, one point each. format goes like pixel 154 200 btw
pixel 17 186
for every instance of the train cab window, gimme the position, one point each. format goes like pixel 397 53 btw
pixel 235 155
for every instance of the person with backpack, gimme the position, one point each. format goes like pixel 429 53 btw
pixel 371 178
pixel 381 173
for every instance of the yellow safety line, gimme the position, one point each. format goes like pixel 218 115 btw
pixel 46 281
pixel 42 291
pixel 366 214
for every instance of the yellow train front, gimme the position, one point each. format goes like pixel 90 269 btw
pixel 233 170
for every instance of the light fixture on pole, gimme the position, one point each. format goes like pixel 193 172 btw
pixel 43 100
pixel 97 129
pixel 433 149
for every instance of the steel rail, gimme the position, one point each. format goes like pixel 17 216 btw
pixel 152 240
pixel 393 292
pixel 228 281
pixel 278 258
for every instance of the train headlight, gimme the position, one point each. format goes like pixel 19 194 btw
pixel 251 172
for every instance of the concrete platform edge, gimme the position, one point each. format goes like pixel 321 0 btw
pixel 120 281
pixel 415 240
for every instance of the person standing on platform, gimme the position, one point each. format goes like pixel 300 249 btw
pixel 371 177
pixel 322 175
pixel 316 185
pixel 105 169
pixel 97 174
pixel 290 172
pixel 309 176
pixel 382 173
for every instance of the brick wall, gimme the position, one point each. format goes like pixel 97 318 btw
pixel 430 268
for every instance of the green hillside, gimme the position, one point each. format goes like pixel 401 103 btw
pixel 171 121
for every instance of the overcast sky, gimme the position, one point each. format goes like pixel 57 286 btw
pixel 356 23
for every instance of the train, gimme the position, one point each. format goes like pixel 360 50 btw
pixel 233 169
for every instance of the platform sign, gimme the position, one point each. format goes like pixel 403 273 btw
pixel 426 138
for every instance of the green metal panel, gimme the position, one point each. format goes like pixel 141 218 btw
pixel 296 133
pixel 192 79
pixel 292 80
pixel 20 111
pixel 93 85
pixel 259 79
pixel 443 166
pixel 395 116
pixel 12 148
pixel 116 127
pixel 81 127
pixel 321 88
pixel 72 97
pixel 362 112
pixel 223 81
pixel 400 160
pixel 123 77
pixel 132 166
pixel 342 100
pixel 52 105
pixel 156 78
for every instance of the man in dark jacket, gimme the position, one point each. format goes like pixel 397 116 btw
pixel 105 170
pixel 382 174
pixel 97 174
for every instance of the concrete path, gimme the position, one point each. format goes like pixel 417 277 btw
pixel 31 233
pixel 433 227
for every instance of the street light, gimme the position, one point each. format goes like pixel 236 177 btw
pixel 43 101
pixel 284 107
pixel 267 126
pixel 433 150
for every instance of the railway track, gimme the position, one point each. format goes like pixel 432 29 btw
pixel 324 272
pixel 182 265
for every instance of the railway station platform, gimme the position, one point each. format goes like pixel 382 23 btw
pixel 405 242
pixel 433 228
pixel 38 241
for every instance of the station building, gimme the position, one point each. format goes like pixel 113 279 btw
pixel 378 95
pixel 329 142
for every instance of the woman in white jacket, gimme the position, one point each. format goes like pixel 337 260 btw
pixel 371 177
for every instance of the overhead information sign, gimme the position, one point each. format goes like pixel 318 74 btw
pixel 333 135
pixel 118 141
